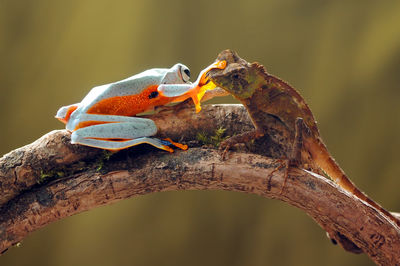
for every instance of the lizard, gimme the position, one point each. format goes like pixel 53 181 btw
pixel 267 98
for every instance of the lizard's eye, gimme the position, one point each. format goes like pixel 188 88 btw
pixel 185 73
pixel 153 94
pixel 235 76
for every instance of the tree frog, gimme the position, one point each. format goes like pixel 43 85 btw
pixel 106 119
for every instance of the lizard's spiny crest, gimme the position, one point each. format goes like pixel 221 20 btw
pixel 258 68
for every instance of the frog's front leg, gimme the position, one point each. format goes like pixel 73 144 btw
pixel 181 92
pixel 112 132
pixel 175 90
pixel 209 94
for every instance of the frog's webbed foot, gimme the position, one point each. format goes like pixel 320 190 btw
pixel 241 138
pixel 176 144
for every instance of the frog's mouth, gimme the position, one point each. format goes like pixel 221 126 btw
pixel 198 88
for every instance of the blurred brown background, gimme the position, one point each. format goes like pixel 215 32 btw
pixel 343 56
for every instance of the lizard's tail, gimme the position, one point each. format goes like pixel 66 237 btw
pixel 325 161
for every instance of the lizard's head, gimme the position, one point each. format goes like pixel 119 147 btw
pixel 239 78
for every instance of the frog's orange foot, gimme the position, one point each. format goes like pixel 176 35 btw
pixel 176 144
pixel 167 148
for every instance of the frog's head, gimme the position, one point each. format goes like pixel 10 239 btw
pixel 177 74
pixel 239 77
pixel 64 113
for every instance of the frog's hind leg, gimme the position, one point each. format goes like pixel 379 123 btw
pixel 117 132
pixel 115 145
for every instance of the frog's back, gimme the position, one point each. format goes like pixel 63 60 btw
pixel 133 85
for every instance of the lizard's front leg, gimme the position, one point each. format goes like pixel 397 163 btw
pixel 241 138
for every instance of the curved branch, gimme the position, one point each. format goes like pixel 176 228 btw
pixel 92 180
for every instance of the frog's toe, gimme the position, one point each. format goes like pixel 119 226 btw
pixel 169 141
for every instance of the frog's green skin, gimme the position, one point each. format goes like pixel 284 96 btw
pixel 268 98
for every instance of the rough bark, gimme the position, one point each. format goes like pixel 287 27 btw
pixel 51 179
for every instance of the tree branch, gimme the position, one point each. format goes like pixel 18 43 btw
pixel 51 179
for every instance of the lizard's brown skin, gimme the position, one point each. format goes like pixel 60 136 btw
pixel 267 97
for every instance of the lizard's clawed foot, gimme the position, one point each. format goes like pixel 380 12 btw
pixel 241 138
pixel 224 147
pixel 286 164
pixel 283 164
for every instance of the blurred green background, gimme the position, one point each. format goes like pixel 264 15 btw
pixel 343 56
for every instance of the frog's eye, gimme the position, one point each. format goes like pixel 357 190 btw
pixel 185 73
